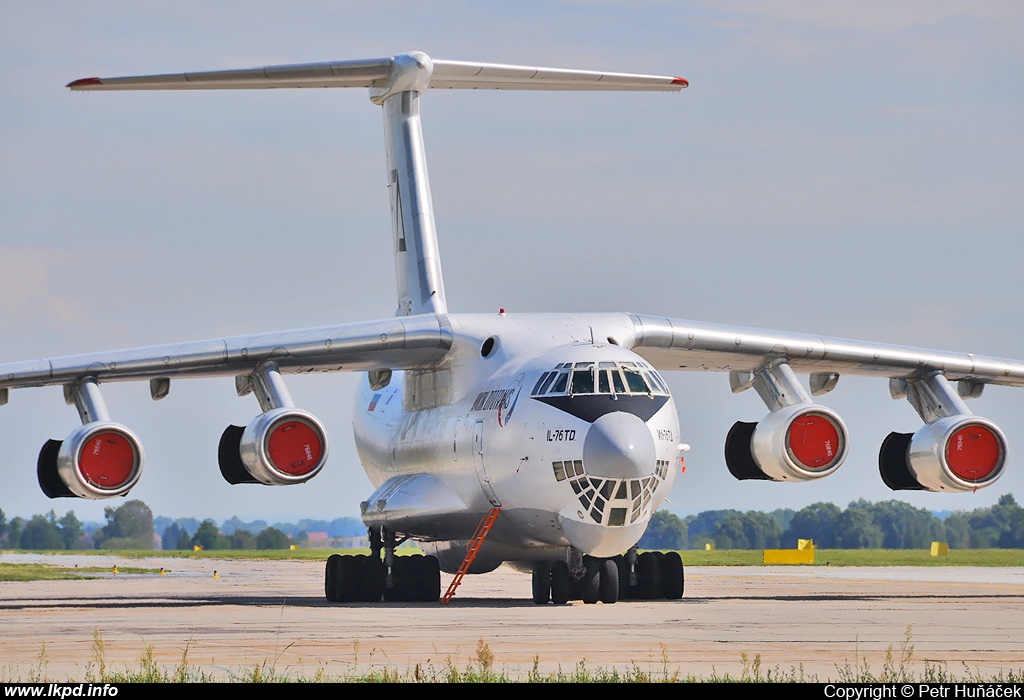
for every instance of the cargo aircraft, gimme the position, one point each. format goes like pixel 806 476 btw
pixel 561 421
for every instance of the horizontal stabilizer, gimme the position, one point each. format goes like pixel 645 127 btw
pixel 378 72
pixel 497 76
pixel 332 74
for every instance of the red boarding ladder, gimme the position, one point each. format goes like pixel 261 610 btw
pixel 474 546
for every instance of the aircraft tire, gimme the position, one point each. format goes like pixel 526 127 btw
pixel 648 574
pixel 330 573
pixel 393 595
pixel 561 584
pixel 574 589
pixel 406 575
pixel 541 582
pixel 346 581
pixel 413 572
pixel 371 580
pixel 623 570
pixel 609 581
pixel 428 579
pixel 671 571
pixel 590 585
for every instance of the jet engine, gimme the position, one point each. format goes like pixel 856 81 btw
pixel 279 447
pixel 100 459
pixel 955 453
pixel 799 442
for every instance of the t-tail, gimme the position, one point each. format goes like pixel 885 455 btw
pixel 397 84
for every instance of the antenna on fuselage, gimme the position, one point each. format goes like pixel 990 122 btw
pixel 396 84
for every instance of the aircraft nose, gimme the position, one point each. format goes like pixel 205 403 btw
pixel 619 446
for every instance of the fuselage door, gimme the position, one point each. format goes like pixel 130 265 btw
pixel 478 462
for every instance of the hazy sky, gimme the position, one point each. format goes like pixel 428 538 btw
pixel 847 169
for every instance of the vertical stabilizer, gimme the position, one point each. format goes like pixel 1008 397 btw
pixel 417 258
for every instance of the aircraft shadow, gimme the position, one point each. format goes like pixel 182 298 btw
pixel 123 603
pixel 169 602
pixel 840 597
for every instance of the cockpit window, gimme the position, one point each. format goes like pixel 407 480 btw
pixel 583 381
pixel 609 378
pixel 635 381
pixel 656 381
pixel 617 384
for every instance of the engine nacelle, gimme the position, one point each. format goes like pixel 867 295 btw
pixel 98 460
pixel 280 447
pixel 955 453
pixel 800 442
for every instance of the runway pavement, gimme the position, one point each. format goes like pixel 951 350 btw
pixel 273 614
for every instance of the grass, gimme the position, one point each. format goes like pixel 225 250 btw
pixel 49 572
pixel 993 558
pixel 899 666
pixel 271 554
pixel 39 572
pixel 864 557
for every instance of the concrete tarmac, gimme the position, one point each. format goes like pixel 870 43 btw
pixel 272 614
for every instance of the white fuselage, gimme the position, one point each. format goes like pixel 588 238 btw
pixel 576 440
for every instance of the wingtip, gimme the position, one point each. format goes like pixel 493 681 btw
pixel 681 81
pixel 84 82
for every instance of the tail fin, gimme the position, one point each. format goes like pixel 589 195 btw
pixel 397 83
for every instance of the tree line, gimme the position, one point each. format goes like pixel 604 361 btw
pixel 130 526
pixel 862 525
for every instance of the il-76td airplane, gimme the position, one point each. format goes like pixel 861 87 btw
pixel 543 440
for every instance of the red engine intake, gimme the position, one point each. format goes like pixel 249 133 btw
pixel 956 453
pixel 280 447
pixel 98 460
pixel 801 442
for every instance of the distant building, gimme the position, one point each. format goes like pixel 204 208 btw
pixel 316 539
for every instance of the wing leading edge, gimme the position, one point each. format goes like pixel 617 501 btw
pixel 678 344
pixel 412 342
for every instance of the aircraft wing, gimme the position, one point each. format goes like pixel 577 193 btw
pixel 678 344
pixel 800 440
pixel 282 445
pixel 400 343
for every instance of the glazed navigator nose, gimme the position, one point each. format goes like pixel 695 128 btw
pixel 619 446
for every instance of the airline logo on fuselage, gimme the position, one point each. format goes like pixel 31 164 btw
pixel 502 400
pixel 490 400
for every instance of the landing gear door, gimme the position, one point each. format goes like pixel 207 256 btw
pixel 478 462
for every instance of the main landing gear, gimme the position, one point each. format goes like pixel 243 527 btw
pixel 632 576
pixel 362 578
